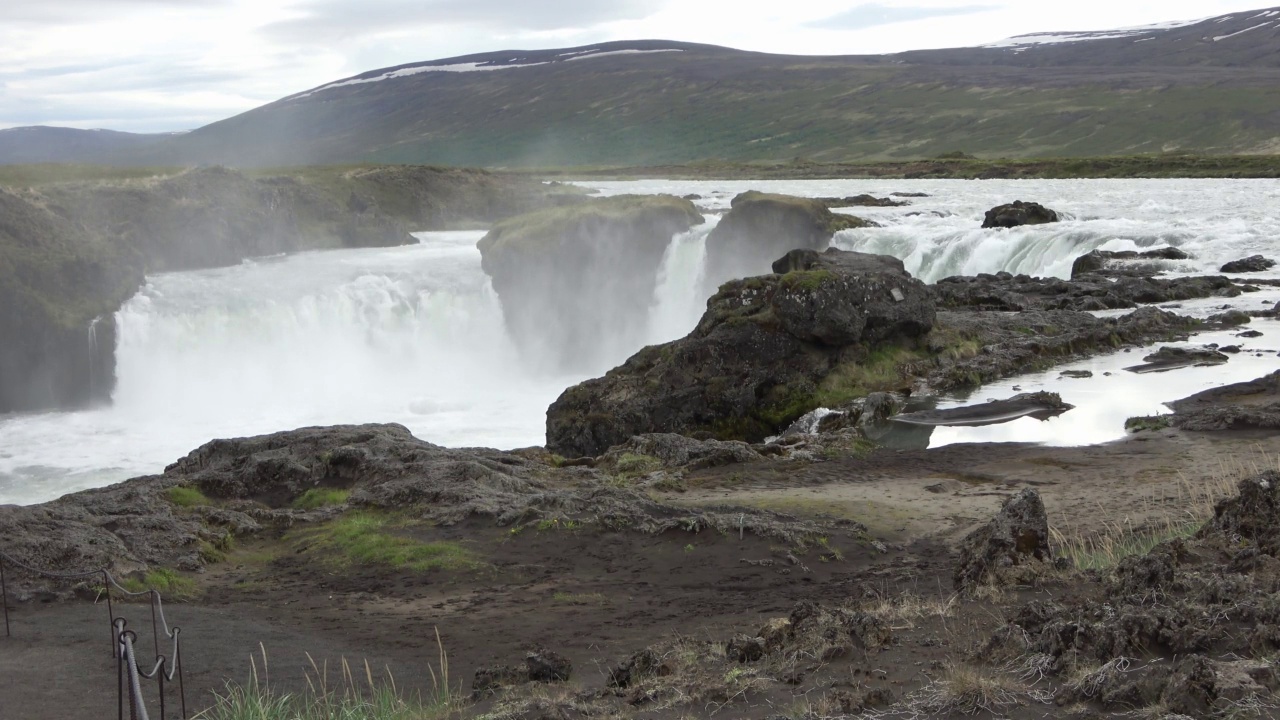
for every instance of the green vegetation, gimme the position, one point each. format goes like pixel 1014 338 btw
pixel 1106 550
pixel 359 696
pixel 31 176
pixel 807 280
pixel 316 498
pixel 1148 422
pixel 879 371
pixel 371 538
pixel 185 496
pixel 168 583
pixel 537 231
pixel 633 464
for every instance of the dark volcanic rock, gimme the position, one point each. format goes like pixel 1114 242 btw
pixel 1019 533
pixel 1253 263
pixel 1007 292
pixel 863 200
pixel 760 227
pixel 575 281
pixel 1039 405
pixel 249 485
pixel 1018 213
pixel 545 666
pixel 1170 358
pixel 1240 406
pixel 1123 262
pixel 753 363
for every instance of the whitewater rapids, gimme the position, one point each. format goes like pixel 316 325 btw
pixel 415 335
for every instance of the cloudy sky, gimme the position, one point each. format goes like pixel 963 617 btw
pixel 164 65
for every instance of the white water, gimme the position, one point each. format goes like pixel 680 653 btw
pixel 415 335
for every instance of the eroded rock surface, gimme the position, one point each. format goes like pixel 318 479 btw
pixel 760 227
pixel 754 361
pixel 1253 263
pixel 575 282
pixel 1017 535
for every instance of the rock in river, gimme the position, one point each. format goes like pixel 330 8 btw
pixel 756 358
pixel 762 226
pixel 1253 263
pixel 1018 213
pixel 575 281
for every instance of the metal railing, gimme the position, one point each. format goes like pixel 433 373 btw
pixel 130 674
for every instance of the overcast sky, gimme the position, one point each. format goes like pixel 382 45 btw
pixel 164 65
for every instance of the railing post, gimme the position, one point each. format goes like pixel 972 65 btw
pixel 120 690
pixel 111 615
pixel 4 597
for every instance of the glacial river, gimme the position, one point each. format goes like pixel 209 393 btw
pixel 415 335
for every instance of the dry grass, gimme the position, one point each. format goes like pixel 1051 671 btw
pixel 902 612
pixel 965 691
pixel 1172 511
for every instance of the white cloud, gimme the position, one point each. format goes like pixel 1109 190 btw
pixel 157 65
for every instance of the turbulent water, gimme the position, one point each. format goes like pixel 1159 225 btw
pixel 415 335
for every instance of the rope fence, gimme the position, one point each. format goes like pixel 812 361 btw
pixel 130 674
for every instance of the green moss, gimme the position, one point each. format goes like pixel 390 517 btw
pixel 568 598
pixel 185 496
pixel 631 464
pixel 1148 422
pixel 881 370
pixel 362 538
pixel 321 497
pixel 808 280
pixel 168 583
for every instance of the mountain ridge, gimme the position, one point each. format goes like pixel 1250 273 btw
pixel 1208 86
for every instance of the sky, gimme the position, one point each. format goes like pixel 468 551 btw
pixel 172 65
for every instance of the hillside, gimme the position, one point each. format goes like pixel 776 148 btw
pixel 1209 86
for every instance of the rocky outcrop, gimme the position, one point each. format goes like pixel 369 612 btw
pixel 1193 610
pixel 1252 405
pixel 1007 292
pixel 1018 213
pixel 240 487
pixel 576 282
pixel 756 358
pixel 1253 263
pixel 1123 262
pixel 1039 405
pixel 1017 535
pixel 72 252
pixel 760 227
pixel 1171 358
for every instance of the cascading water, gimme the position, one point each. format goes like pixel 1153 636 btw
pixel 415 335
pixel 679 296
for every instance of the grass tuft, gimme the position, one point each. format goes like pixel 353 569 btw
pixel 168 583
pixel 185 496
pixel 367 538
pixel 316 498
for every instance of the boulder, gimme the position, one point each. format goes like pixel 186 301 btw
pixel 576 282
pixel 759 227
pixel 1253 263
pixel 1123 261
pixel 1171 358
pixel 1018 213
pixel 1018 534
pixel 863 200
pixel 754 362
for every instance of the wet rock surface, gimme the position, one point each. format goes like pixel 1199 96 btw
pixel 1018 213
pixel 1253 263
pixel 1123 262
pixel 1039 405
pixel 1007 292
pixel 1171 358
pixel 863 200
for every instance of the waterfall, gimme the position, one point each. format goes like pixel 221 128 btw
pixel 679 296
